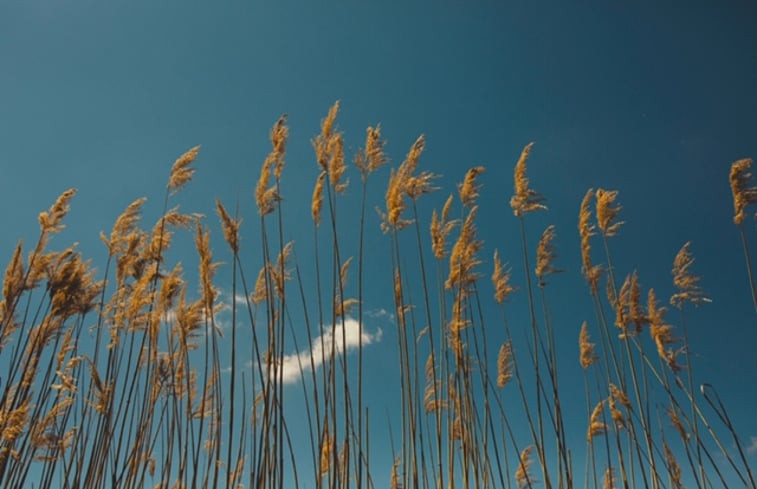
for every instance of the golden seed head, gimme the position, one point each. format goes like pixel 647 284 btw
pixel 181 172
pixel 468 189
pixel 316 203
pixel 586 347
pixel 743 194
pixel 501 280
pixel 607 211
pixel 525 199
pixel 685 281
pixel 545 255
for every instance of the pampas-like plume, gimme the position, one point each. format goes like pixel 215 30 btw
pixel 590 272
pixel 125 225
pixel 545 256
pixel 463 258
pixel 468 189
pixel 662 333
pixel 181 172
pixel 607 212
pixel 207 267
pixel 686 282
pixel 50 221
pixel 394 479
pixel 504 364
pixel 609 480
pixel 675 421
pixel 587 356
pixel 335 148
pixel 230 227
pixel 316 204
pixel 372 156
pixel 321 142
pixel 525 199
pixel 431 395
pixel 523 476
pixel 674 470
pixel 440 228
pixel 743 194
pixel 596 425
pixel 501 280
pixel 265 196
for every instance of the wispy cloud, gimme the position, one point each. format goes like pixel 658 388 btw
pixel 380 313
pixel 347 339
pixel 751 449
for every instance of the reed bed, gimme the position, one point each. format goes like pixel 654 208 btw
pixel 126 378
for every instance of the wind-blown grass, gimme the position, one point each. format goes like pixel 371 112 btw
pixel 146 401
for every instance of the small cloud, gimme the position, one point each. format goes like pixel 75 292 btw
pixel 751 449
pixel 347 339
pixel 380 313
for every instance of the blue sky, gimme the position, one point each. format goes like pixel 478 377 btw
pixel 653 100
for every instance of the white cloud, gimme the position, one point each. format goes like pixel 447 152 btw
pixel 347 338
pixel 751 449
pixel 380 313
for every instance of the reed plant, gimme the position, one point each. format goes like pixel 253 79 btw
pixel 128 378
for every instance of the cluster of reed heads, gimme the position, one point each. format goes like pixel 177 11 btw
pixel 120 382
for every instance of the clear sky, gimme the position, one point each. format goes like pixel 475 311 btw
pixel 653 100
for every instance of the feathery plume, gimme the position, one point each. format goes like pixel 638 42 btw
pixel 336 164
pixel 607 212
pixel 525 199
pixel 685 281
pixel 440 228
pixel 316 204
pixel 50 221
pixel 321 142
pixel 590 272
pixel 181 172
pixel 230 227
pixel 587 355
pixel 523 476
pixel 501 280
pixel 662 333
pixel 468 189
pixel 545 255
pixel 743 194
pixel 609 479
pixel 674 470
pixel 372 156
pixel 123 227
pixel 596 425
pixel 504 364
